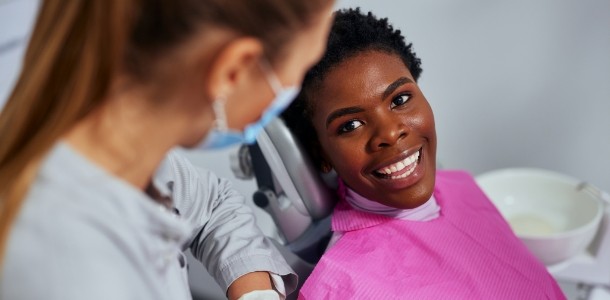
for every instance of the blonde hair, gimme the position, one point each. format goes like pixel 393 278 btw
pixel 78 46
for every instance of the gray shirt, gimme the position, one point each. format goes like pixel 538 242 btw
pixel 85 234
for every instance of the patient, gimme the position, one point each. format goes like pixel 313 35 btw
pixel 402 230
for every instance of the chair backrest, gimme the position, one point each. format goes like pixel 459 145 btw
pixel 291 190
pixel 293 169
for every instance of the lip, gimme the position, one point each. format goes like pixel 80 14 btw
pixel 400 183
pixel 399 157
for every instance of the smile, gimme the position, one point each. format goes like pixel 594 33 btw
pixel 401 169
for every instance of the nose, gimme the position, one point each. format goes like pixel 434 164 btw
pixel 387 132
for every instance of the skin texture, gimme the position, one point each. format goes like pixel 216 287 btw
pixel 249 282
pixel 380 117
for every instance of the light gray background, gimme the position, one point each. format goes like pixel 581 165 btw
pixel 512 83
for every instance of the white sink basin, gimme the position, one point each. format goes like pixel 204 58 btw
pixel 546 210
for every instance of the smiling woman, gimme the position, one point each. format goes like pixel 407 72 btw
pixel 402 230
pixel 378 120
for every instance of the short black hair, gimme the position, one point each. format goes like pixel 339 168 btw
pixel 351 34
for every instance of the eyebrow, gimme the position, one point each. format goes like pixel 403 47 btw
pixel 342 112
pixel 394 85
pixel 355 109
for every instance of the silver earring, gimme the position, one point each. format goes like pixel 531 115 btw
pixel 219 113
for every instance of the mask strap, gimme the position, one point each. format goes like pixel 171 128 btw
pixel 218 106
pixel 272 79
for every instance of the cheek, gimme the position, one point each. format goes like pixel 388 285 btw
pixel 425 127
pixel 343 156
pixel 422 121
pixel 430 128
pixel 247 104
pixel 294 69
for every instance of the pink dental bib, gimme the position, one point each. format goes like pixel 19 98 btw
pixel 468 252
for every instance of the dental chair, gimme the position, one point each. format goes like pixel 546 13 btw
pixel 298 198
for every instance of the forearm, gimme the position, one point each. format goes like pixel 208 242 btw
pixel 248 283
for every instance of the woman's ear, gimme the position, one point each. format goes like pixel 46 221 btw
pixel 231 65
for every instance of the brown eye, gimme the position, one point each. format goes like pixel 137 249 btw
pixel 349 126
pixel 400 100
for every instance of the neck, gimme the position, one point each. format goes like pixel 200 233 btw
pixel 127 137
pixel 429 210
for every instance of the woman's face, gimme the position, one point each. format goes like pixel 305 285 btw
pixel 376 129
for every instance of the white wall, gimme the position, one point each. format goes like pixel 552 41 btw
pixel 16 18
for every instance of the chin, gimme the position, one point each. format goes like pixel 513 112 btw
pixel 414 196
pixel 413 202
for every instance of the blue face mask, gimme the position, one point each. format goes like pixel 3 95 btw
pixel 221 136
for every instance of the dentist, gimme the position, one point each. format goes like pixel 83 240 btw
pixel 93 201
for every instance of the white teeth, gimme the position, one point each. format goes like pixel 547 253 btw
pixel 399 166
pixel 405 174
